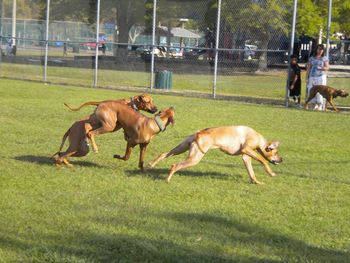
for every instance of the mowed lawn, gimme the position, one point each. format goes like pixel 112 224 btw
pixel 106 210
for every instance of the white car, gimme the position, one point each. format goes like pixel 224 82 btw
pixel 249 51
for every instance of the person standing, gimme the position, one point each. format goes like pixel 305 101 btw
pixel 65 49
pixel 294 80
pixel 9 46
pixel 316 74
pixel 103 48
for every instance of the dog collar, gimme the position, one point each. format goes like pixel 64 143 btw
pixel 133 104
pixel 159 123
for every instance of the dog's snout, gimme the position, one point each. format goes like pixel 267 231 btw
pixel 152 110
pixel 277 160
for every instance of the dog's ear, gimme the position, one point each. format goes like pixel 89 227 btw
pixel 145 98
pixel 171 120
pixel 272 145
pixel 170 115
pixel 139 98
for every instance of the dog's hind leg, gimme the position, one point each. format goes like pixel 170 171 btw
pixel 181 148
pixel 194 157
pixel 63 158
pixel 66 162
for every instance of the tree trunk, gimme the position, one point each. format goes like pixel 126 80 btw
pixel 123 30
pixel 262 66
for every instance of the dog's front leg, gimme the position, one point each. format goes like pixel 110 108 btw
pixel 332 103
pixel 248 164
pixel 128 150
pixel 143 148
pixel 260 159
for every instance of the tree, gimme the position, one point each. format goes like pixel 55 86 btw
pixel 260 20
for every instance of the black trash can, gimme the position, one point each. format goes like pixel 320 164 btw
pixel 164 80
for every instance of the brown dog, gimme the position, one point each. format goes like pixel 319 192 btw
pixel 78 144
pixel 106 110
pixel 138 129
pixel 233 140
pixel 328 93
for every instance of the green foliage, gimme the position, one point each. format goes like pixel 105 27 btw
pixel 105 210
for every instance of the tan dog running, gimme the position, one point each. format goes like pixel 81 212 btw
pixel 78 144
pixel 233 140
pixel 328 93
pixel 107 120
pixel 139 129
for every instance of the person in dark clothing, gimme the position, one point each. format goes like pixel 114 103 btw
pixel 294 80
pixel 103 48
pixel 65 49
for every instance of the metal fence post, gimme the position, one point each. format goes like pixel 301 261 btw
pixel 291 49
pixel 2 17
pixel 97 40
pixel 14 21
pixel 216 48
pixel 153 42
pixel 329 22
pixel 47 38
pixel 1 26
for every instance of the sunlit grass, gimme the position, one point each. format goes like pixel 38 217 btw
pixel 105 210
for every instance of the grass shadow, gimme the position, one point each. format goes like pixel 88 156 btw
pixel 286 248
pixel 161 174
pixel 46 160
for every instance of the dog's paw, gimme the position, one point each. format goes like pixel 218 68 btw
pixel 273 174
pixel 117 156
pixel 149 166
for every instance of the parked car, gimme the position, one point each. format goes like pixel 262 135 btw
pixel 249 51
pixel 195 53
pixel 176 52
pixel 91 45
pixel 56 43
pixel 335 56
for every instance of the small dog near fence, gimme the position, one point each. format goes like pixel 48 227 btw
pixel 328 93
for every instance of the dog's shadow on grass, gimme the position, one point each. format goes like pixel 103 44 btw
pixel 161 174
pixel 47 160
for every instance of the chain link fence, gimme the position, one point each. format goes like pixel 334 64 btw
pixel 213 47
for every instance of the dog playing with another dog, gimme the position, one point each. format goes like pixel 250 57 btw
pixel 76 134
pixel 107 120
pixel 138 129
pixel 328 93
pixel 232 140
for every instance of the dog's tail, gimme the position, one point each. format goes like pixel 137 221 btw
pixel 64 138
pixel 95 103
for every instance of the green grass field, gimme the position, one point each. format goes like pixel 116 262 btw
pixel 106 210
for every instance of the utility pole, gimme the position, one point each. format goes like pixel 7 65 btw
pixel 329 22
pixel 14 10
pixel 2 18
